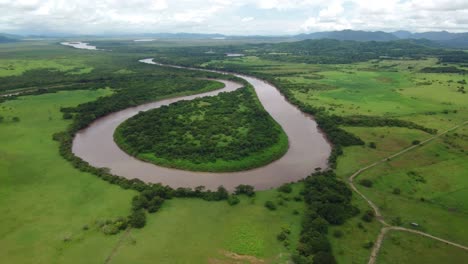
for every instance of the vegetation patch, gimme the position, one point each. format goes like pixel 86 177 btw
pixel 227 132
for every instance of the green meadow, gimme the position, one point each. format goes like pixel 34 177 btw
pixel 431 179
pixel 51 210
pixel 410 248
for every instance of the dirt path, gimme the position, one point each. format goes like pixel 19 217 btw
pixel 387 227
pixel 117 246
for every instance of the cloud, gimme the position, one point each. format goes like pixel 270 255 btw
pixel 247 19
pixel 224 16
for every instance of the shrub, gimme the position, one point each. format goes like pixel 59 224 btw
pixel 110 229
pixel 286 188
pixel 368 245
pixel 366 183
pixel 372 145
pixel 282 236
pixel 67 116
pixel 245 189
pixel 233 200
pixel 416 142
pixel 368 216
pixel 396 191
pixel 324 258
pixel 137 219
pixel 270 205
pixel 338 233
pixel 397 221
pixel 15 119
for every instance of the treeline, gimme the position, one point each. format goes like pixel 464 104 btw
pixel 447 69
pixel 230 126
pixel 151 196
pixel 321 51
pixel 376 121
pixel 328 202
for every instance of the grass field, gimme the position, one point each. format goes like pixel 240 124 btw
pixel 431 179
pixel 407 248
pixel 195 231
pixel 46 203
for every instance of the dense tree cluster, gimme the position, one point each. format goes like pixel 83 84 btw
pixel 229 126
pixel 328 202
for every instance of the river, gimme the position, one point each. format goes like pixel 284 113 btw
pixel 308 147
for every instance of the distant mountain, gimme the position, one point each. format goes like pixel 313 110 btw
pixel 460 41
pixel 180 35
pixel 4 39
pixel 356 35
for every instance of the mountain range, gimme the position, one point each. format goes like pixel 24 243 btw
pixel 437 38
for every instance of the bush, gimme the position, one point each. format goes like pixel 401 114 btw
pixel 233 200
pixel 368 245
pixel 368 216
pixel 67 116
pixel 338 233
pixel 270 205
pixel 15 119
pixel 110 229
pixel 397 221
pixel 324 258
pixel 416 142
pixel 372 145
pixel 396 191
pixel 282 236
pixel 286 188
pixel 137 219
pixel 245 189
pixel 366 183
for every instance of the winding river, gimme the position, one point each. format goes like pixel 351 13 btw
pixel 308 147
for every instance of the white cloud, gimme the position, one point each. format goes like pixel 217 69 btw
pixel 224 16
pixel 247 19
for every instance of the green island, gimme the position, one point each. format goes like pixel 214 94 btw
pixel 372 100
pixel 228 132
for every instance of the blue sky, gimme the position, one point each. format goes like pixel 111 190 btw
pixel 246 17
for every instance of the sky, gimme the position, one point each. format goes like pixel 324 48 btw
pixel 232 17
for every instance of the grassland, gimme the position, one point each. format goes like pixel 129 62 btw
pixel 45 202
pixel 195 231
pixel 406 248
pixel 51 211
pixel 431 178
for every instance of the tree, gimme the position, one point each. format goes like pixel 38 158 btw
pixel 324 258
pixel 245 189
pixel 366 183
pixel 270 205
pixel 368 216
pixel 137 219
pixel 233 200
pixel 67 116
pixel 286 188
pixel 222 193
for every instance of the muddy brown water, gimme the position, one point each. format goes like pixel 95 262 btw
pixel 308 147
